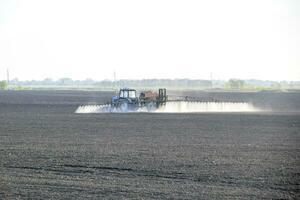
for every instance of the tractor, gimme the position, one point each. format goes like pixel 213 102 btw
pixel 128 100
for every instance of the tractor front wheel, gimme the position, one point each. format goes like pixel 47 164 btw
pixel 124 107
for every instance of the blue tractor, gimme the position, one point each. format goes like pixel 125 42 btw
pixel 128 100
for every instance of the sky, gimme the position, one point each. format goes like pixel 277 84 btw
pixel 136 39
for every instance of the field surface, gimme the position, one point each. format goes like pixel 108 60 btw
pixel 48 152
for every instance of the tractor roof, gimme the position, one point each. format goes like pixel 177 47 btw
pixel 127 89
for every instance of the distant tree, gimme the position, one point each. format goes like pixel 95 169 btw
pixel 48 80
pixel 276 86
pixel 19 87
pixel 235 84
pixel 3 85
pixel 65 81
pixel 14 81
pixel 88 81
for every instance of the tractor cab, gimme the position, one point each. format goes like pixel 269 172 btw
pixel 127 100
pixel 127 93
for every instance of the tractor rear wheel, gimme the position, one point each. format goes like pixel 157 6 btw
pixel 151 106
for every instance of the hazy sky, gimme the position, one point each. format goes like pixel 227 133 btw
pixel 257 39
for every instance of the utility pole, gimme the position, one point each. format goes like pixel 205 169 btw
pixel 115 76
pixel 211 80
pixel 115 80
pixel 7 78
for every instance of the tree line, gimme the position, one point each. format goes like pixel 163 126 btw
pixel 232 84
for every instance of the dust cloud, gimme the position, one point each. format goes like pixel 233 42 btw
pixel 186 107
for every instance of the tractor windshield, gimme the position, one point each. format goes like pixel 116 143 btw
pixel 127 94
pixel 132 94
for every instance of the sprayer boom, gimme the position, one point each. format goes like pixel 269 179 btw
pixel 127 100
